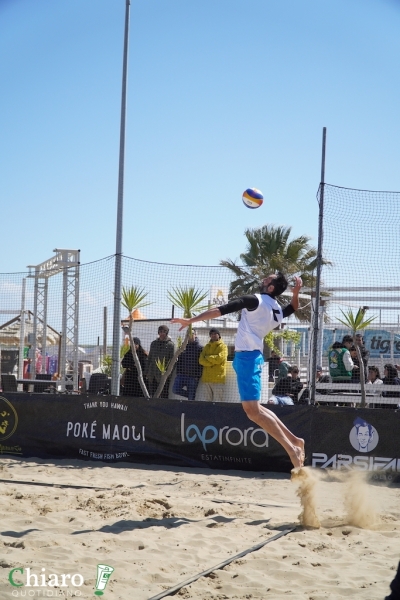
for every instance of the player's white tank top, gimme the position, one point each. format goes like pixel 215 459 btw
pixel 255 324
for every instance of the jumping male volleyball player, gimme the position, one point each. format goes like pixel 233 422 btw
pixel 261 313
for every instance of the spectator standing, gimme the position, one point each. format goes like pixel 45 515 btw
pixel 188 369
pixel 131 377
pixel 347 342
pixel 355 374
pixel 161 349
pixel 364 352
pixel 340 361
pixel 213 359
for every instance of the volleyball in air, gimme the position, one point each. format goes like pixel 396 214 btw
pixel 252 198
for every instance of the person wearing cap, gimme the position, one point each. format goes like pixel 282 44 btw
pixel 161 349
pixel 131 378
pixel 261 313
pixel 188 369
pixel 213 359
pixel 287 389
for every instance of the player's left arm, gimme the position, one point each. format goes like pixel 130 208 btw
pixel 212 313
pixel 250 302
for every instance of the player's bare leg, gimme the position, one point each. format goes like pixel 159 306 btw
pixel 268 421
pixel 296 441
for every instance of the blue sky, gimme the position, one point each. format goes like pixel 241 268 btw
pixel 222 95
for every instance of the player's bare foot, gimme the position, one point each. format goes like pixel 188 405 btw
pixel 297 456
pixel 302 446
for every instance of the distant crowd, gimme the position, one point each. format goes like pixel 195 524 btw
pixel 200 371
pixel 199 374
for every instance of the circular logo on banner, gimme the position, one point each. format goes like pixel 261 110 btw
pixel 363 437
pixel 8 419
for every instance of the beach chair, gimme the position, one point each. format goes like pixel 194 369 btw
pixel 99 384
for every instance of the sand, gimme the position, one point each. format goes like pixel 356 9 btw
pixel 159 527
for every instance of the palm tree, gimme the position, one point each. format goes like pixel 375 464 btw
pixel 356 323
pixel 269 249
pixel 191 302
pixel 133 299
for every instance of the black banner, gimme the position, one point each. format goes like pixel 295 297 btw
pixel 194 434
pixel 355 438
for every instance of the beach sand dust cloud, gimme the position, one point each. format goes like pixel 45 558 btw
pixel 306 483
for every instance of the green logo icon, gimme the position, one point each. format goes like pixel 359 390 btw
pixel 103 575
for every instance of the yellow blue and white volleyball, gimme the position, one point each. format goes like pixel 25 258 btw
pixel 252 198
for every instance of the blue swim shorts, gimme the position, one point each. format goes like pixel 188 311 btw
pixel 248 367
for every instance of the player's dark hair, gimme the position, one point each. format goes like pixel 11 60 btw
pixel 280 284
pixel 347 339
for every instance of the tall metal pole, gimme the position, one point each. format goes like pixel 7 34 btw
pixel 104 331
pixel 118 244
pixel 319 269
pixel 22 333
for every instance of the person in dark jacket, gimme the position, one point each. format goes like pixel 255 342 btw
pixel 297 385
pixel 390 378
pixel 131 379
pixel 364 353
pixel 286 389
pixel 355 374
pixel 188 369
pixel 161 349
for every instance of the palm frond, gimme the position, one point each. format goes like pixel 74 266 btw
pixel 355 322
pixel 133 297
pixel 270 249
pixel 189 300
pixel 161 365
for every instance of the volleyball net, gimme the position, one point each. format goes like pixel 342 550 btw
pixel 74 308
pixel 361 253
pixel 67 314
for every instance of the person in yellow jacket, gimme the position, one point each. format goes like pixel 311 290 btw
pixel 213 359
